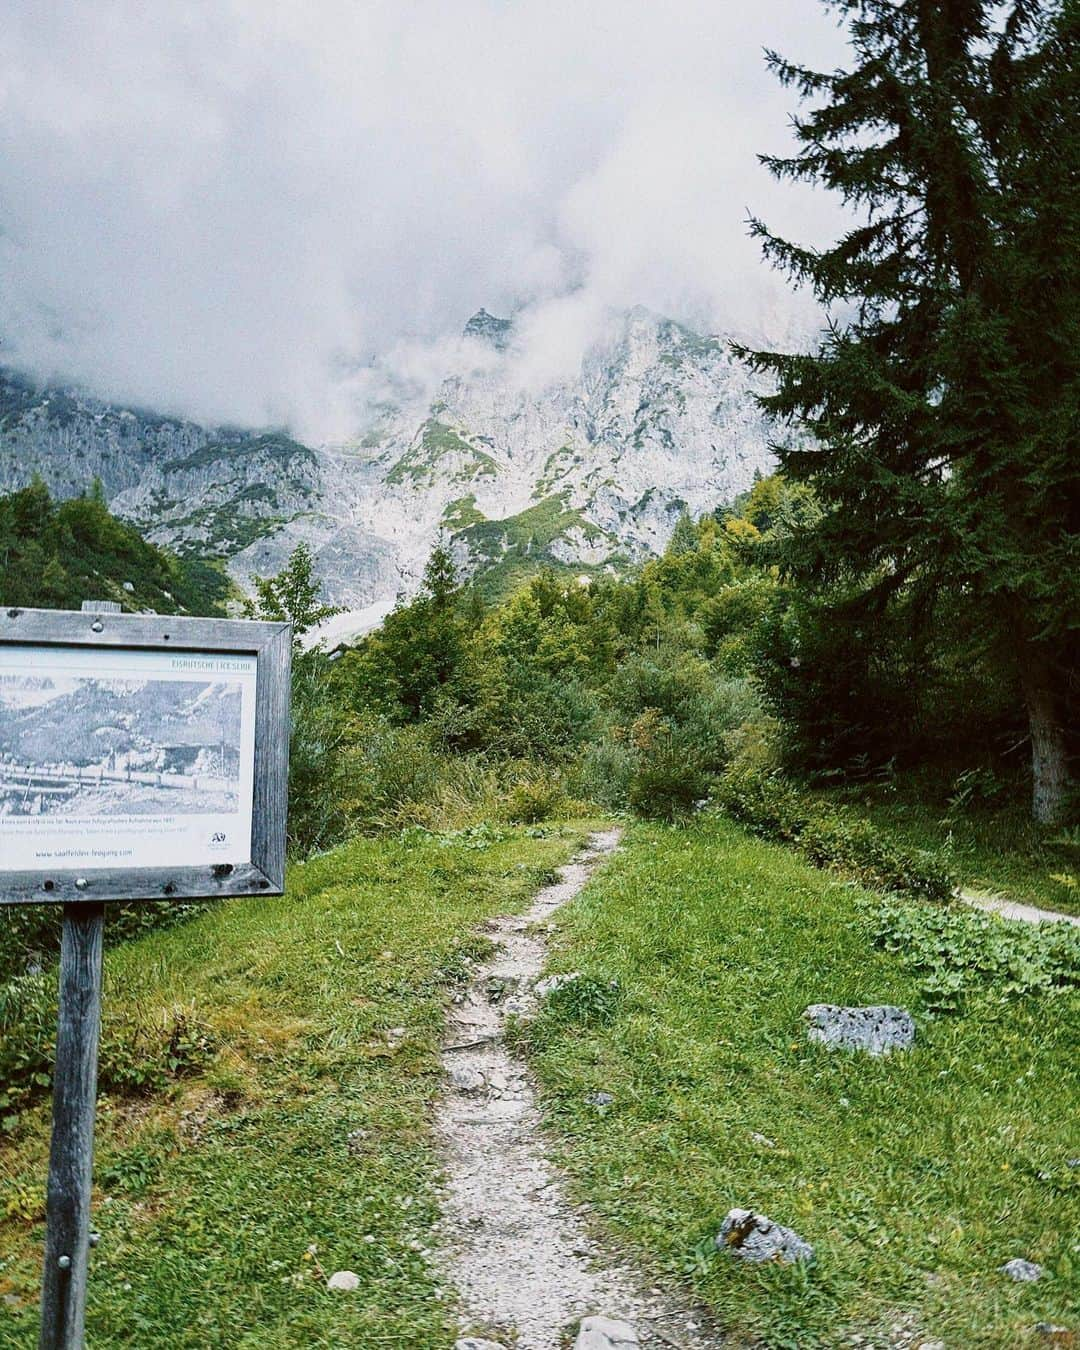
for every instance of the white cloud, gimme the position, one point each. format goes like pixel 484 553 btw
pixel 219 206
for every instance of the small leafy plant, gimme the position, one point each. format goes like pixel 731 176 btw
pixel 958 954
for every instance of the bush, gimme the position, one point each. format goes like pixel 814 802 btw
pixel 534 800
pixel 854 846
pixel 382 770
pixel 668 782
pixel 766 804
pixel 604 772
pixel 771 807
pixel 30 934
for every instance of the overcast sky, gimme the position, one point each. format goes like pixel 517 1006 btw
pixel 218 206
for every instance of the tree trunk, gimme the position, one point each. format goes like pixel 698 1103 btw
pixel 1049 748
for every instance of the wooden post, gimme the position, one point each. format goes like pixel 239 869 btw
pixel 71 1152
pixel 71 1157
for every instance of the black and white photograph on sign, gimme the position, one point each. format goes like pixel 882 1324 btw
pixel 118 747
pixel 148 756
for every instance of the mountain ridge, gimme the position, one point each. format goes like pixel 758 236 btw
pixel 590 470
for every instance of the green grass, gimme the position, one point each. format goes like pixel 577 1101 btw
pixel 210 1195
pixel 996 849
pixel 915 1176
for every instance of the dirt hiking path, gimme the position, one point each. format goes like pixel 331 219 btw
pixel 1014 909
pixel 519 1254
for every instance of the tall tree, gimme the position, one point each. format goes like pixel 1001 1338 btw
pixel 944 400
pixel 292 594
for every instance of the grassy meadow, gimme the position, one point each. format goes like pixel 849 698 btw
pixel 915 1176
pixel 301 1145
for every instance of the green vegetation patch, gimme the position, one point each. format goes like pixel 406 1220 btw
pixel 557 465
pixel 437 440
pixel 225 528
pixel 272 445
pixel 462 512
pixel 510 551
pixel 981 826
pixel 302 1146
pixel 531 531
pixel 915 1176
pixel 57 554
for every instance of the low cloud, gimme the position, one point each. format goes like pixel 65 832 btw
pixel 227 209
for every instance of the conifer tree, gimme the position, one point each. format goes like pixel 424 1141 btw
pixel 944 398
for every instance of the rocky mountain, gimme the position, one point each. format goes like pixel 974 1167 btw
pixel 592 470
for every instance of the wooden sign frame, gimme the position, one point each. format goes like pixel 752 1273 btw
pixel 271 644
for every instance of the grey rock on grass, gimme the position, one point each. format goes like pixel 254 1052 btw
pixel 1025 1272
pixel 876 1029
pixel 343 1281
pixel 755 1237
pixel 603 1333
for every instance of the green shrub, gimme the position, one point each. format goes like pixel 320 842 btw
pixel 855 846
pixel 604 772
pixel 766 804
pixel 27 1043
pixel 383 769
pixel 137 1054
pixel 534 800
pixel 771 807
pixel 669 782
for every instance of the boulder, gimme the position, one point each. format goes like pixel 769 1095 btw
pixel 755 1237
pixel 877 1030
pixel 603 1333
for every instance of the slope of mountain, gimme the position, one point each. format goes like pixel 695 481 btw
pixel 588 471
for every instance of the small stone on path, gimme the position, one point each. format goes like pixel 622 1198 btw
pixel 602 1333
pixel 875 1029
pixel 1023 1271
pixel 467 1079
pixel 477 1343
pixel 755 1237
pixel 343 1281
